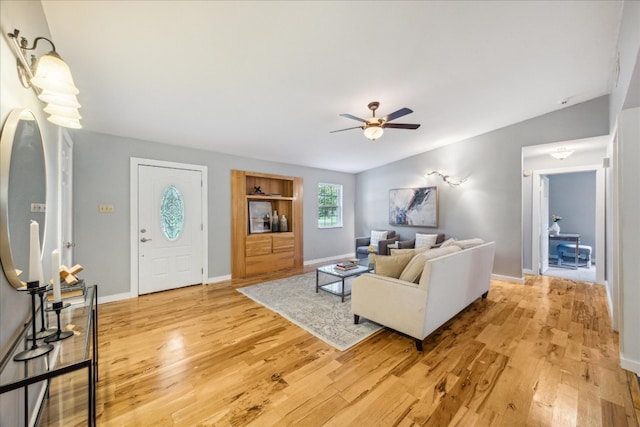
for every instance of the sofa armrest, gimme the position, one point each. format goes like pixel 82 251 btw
pixel 407 244
pixel 363 241
pixel 383 245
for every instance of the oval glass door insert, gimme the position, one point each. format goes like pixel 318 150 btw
pixel 172 213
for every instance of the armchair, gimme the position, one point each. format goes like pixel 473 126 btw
pixel 362 244
pixel 410 244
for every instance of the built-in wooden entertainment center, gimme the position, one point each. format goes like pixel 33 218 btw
pixel 262 250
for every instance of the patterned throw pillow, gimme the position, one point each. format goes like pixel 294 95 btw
pixel 425 240
pixel 376 236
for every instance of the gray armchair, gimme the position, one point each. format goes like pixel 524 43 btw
pixel 362 244
pixel 410 244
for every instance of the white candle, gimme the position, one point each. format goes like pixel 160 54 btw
pixel 34 252
pixel 55 272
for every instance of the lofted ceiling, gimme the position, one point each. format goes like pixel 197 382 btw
pixel 267 79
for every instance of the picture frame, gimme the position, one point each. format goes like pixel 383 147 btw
pixel 259 217
pixel 414 207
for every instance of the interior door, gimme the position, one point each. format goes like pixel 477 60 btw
pixel 170 228
pixel 544 221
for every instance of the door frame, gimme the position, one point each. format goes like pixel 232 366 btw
pixel 133 231
pixel 600 215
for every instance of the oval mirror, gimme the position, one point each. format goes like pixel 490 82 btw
pixel 23 194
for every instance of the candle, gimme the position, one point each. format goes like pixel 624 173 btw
pixel 55 272
pixel 35 264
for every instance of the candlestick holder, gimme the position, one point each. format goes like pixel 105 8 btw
pixel 36 350
pixel 59 334
pixel 44 332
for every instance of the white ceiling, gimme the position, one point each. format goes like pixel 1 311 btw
pixel 268 79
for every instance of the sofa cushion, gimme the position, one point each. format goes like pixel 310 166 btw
pixel 391 265
pixel 469 243
pixel 413 270
pixel 376 236
pixel 448 242
pixel 425 240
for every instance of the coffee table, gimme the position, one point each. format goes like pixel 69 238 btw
pixel 338 287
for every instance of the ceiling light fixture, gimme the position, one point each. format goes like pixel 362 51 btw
pixel 447 178
pixel 561 153
pixel 373 131
pixel 50 78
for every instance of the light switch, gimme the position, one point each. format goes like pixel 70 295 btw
pixel 104 208
pixel 38 207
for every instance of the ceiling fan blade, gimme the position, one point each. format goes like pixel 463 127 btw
pixel 400 126
pixel 396 114
pixel 349 116
pixel 340 130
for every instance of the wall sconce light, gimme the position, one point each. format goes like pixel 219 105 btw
pixel 50 77
pixel 447 178
pixel 561 153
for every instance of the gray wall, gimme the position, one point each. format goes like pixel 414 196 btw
pixel 573 197
pixel 488 205
pixel 28 17
pixel 101 175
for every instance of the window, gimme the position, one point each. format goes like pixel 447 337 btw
pixel 329 205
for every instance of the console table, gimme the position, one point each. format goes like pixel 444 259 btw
pixel 80 351
pixel 570 237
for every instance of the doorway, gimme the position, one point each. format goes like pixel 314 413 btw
pixel 541 206
pixel 168 225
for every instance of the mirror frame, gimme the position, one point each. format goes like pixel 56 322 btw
pixel 6 147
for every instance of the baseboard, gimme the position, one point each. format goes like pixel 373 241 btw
pixel 217 279
pixel 630 365
pixel 333 258
pixel 527 271
pixel 519 280
pixel 116 297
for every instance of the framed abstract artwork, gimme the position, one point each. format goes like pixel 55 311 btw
pixel 417 207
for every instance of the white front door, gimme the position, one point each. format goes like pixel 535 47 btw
pixel 170 228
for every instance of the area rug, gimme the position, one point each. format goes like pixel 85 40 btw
pixel 321 314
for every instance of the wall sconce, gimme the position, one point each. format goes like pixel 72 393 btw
pixel 447 178
pixel 561 153
pixel 50 77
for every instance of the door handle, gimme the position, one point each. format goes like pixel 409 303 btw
pixel 144 239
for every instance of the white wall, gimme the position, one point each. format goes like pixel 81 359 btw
pixel 629 224
pixel 624 121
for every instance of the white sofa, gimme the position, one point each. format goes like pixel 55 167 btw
pixel 447 285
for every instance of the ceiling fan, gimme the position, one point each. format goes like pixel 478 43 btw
pixel 374 126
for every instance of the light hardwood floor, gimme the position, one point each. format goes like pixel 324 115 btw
pixel 539 354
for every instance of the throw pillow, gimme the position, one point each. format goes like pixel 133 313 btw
pixel 425 240
pixel 408 251
pixel 413 271
pixel 448 242
pixel 391 265
pixel 376 236
pixel 469 243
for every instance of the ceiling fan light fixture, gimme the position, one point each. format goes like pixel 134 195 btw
pixel 373 132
